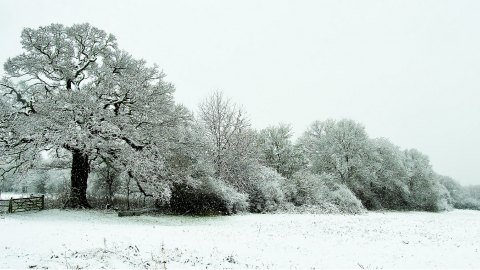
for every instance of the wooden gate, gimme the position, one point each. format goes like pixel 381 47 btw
pixel 25 204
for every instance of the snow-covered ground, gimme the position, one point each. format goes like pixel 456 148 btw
pixel 96 239
pixel 8 195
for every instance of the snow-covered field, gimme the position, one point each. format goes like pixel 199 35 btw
pixel 8 195
pixel 96 239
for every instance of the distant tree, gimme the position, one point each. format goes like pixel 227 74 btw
pixel 41 182
pixel 455 189
pixel 338 147
pixel 278 150
pixel 235 155
pixel 389 187
pixel 229 131
pixel 426 192
pixel 473 191
pixel 462 197
pixel 108 181
pixel 472 198
pixel 194 187
pixel 342 149
pixel 73 89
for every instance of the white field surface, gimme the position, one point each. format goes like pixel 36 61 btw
pixel 8 195
pixel 97 239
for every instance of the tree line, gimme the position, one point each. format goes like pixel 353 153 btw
pixel 92 107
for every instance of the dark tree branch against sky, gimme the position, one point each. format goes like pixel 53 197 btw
pixel 406 70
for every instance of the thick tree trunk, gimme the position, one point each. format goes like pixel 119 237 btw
pixel 79 177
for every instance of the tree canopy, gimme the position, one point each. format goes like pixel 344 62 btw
pixel 73 93
pixel 73 89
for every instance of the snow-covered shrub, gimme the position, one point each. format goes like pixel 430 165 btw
pixel 261 184
pixel 289 189
pixel 305 188
pixel 266 195
pixel 426 191
pixel 206 196
pixel 324 208
pixel 461 197
pixel 322 191
pixel 430 195
pixel 468 203
pixel 440 199
pixel 345 200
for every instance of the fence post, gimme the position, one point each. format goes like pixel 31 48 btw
pixel 43 202
pixel 10 205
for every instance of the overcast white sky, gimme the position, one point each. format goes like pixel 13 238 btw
pixel 408 70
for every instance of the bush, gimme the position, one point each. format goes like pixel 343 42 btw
pixel 261 184
pixel 322 191
pixel 432 197
pixel 266 194
pixel 468 203
pixel 345 200
pixel 206 196
pixel 390 194
pixel 325 208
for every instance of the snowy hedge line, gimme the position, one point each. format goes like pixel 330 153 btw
pixel 74 102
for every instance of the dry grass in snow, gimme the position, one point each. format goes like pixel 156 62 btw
pixel 96 239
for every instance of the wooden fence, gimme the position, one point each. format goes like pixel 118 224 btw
pixel 24 204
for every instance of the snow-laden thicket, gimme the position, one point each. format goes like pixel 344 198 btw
pixel 112 133
pixel 380 175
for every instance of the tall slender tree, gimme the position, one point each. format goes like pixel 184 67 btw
pixel 228 128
